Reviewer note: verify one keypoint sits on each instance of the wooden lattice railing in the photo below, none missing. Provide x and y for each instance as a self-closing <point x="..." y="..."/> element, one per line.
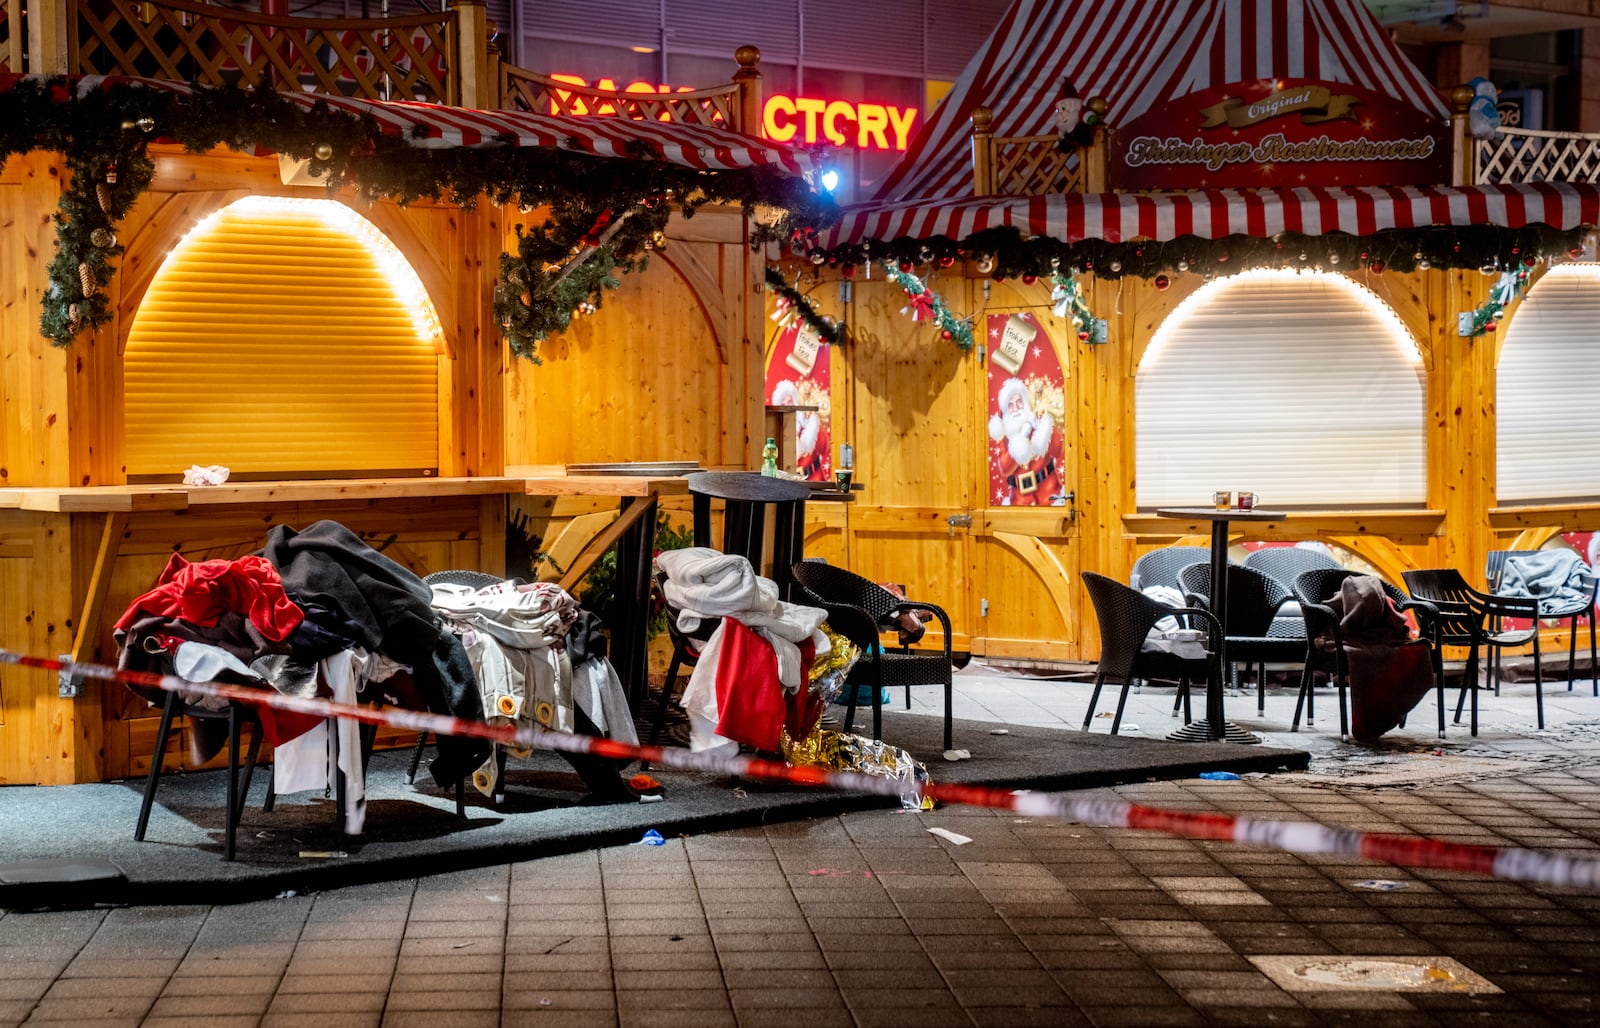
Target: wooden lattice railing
<point x="1529" y="155"/>
<point x="410" y="58"/>
<point x="1032" y="166"/>
<point x="525" y="90"/>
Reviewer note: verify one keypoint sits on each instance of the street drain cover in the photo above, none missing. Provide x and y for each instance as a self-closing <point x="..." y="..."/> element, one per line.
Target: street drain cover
<point x="1378" y="974"/>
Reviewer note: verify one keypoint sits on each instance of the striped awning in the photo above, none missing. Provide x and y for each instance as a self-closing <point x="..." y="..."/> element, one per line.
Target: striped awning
<point x="439" y="127"/>
<point x="1215" y="214"/>
<point x="1139" y="56"/>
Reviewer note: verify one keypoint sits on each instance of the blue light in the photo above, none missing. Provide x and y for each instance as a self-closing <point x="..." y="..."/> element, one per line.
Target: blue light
<point x="830" y="180"/>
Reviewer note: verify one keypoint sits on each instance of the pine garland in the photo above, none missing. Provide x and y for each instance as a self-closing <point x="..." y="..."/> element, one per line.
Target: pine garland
<point x="794" y="304"/>
<point x="926" y="305"/>
<point x="1509" y="288"/>
<point x="1004" y="253"/>
<point x="104" y="130"/>
<point x="1067" y="301"/>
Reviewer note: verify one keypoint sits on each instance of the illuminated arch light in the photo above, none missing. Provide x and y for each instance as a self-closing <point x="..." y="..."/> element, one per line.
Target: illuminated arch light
<point x="396" y="270"/>
<point x="1374" y="305"/>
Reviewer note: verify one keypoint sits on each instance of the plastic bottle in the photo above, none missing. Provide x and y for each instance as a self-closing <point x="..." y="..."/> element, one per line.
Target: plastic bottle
<point x="769" y="458"/>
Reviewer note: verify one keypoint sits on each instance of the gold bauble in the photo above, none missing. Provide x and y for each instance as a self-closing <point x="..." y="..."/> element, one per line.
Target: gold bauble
<point x="323" y="152"/>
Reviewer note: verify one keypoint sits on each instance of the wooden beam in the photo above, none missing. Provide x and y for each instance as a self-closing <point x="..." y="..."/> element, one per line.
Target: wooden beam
<point x="586" y="558"/>
<point x="99" y="584"/>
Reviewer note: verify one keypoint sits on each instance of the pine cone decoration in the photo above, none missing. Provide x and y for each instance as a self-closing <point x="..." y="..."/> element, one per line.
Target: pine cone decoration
<point x="102" y="193"/>
<point x="86" y="278"/>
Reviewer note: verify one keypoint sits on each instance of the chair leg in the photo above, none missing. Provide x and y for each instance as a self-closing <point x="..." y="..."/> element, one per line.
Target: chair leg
<point x="1594" y="665"/>
<point x="168" y="707"/>
<point x="499" y="796"/>
<point x="1572" y="650"/>
<point x="673" y="667"/>
<point x="1438" y="688"/>
<point x="416" y="757"/>
<point x="272" y="791"/>
<point x="1177" y="697"/>
<point x="1472" y="684"/>
<point x="877" y="709"/>
<point x="949" y="715"/>
<point x="1122" y="699"/>
<point x="1188" y="712"/>
<point x="231" y="805"/>
<point x="850" y="707"/>
<point x="1094" y="697"/>
<point x="1307" y="682"/>
<point x="250" y="765"/>
<point x="1341" y="684"/>
<point x="1538" y="677"/>
<point x="1261" y="689"/>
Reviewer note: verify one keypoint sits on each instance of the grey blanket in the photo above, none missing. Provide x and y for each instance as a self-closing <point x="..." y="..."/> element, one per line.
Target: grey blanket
<point x="1553" y="577"/>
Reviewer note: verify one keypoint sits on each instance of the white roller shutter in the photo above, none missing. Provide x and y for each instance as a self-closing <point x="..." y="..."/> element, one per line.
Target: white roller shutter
<point x="1548" y="414"/>
<point x="1303" y="388"/>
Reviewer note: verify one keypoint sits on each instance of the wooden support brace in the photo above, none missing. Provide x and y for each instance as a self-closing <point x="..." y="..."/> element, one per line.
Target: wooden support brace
<point x="586" y="558"/>
<point x="94" y="603"/>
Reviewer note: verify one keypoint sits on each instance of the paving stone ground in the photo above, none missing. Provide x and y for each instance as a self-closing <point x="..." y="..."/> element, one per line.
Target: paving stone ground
<point x="868" y="919"/>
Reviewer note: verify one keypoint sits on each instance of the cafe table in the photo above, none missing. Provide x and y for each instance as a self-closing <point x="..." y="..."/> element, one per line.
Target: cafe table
<point x="1216" y="727"/>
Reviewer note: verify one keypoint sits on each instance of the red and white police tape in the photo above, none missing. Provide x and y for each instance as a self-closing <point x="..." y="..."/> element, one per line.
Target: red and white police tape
<point x="1294" y="837"/>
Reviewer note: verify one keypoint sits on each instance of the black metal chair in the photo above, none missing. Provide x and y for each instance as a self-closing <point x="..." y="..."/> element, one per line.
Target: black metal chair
<point x="1313" y="588"/>
<point x="1472" y="619"/>
<point x="745" y="500"/>
<point x="1286" y="563"/>
<point x="860" y="610"/>
<point x="1161" y="567"/>
<point x="1254" y="600"/>
<point x="1494" y="572"/>
<point x="1126" y="617"/>
<point x="237" y="716"/>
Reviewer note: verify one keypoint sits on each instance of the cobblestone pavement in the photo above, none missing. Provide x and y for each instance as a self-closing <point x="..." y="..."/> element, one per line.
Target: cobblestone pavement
<point x="870" y="919"/>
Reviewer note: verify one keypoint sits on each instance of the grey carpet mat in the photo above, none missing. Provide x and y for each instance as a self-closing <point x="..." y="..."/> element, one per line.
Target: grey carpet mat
<point x="413" y="829"/>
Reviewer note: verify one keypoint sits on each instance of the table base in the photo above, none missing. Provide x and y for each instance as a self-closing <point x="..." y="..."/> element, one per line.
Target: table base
<point x="1200" y="731"/>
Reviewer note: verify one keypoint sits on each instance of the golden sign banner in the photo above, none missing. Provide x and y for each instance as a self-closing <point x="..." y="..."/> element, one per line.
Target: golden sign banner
<point x="1314" y="104"/>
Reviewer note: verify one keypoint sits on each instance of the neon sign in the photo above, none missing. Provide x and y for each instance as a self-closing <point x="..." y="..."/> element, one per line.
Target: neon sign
<point x="786" y="119"/>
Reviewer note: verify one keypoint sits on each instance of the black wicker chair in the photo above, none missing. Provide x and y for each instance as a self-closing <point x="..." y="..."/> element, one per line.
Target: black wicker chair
<point x="1254" y="600"/>
<point x="1161" y="567"/>
<point x="1286" y="563"/>
<point x="860" y="609"/>
<point x="1494" y="571"/>
<point x="1471" y="619"/>
<point x="1314" y="588"/>
<point x="745" y="500"/>
<point x="1126" y="617"/>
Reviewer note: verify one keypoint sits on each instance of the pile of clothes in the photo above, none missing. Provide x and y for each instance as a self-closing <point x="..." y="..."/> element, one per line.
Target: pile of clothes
<point x="318" y="612"/>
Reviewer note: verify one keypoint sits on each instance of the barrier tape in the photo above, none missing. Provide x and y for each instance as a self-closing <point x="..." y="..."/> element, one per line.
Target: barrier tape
<point x="1290" y="836"/>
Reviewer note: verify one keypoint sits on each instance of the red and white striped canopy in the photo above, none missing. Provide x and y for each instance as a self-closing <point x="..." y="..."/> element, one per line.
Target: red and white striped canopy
<point x="1139" y="55"/>
<point x="439" y="127"/>
<point x="1216" y="213"/>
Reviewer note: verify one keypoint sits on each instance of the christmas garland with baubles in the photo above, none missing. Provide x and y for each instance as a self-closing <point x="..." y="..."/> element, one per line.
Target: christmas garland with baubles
<point x="604" y="214"/>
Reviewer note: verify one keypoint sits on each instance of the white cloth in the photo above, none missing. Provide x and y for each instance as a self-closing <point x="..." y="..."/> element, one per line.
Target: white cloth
<point x="706" y="585"/>
<point x="307" y="761"/>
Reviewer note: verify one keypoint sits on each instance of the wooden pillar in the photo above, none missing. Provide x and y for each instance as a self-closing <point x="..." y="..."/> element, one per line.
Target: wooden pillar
<point x="1464" y="149"/>
<point x="1094" y="155"/>
<point x="49" y="26"/>
<point x="748" y="79"/>
<point x="982" y="152"/>
<point x="473" y="86"/>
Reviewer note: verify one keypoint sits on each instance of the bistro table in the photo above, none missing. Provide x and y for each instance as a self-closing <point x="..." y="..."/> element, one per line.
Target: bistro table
<point x="1216" y="727"/>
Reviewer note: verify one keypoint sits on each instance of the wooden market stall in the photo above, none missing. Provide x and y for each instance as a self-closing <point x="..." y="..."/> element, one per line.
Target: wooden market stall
<point x="335" y="296"/>
<point x="1120" y="240"/>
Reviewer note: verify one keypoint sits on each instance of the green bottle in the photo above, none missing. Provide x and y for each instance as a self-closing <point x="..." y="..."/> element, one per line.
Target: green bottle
<point x="769" y="458"/>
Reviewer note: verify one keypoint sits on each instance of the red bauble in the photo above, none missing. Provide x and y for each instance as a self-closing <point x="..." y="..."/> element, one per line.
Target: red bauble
<point x="849" y="271"/>
<point x="1575" y="252"/>
<point x="946" y="261"/>
<point x="1490" y="326"/>
<point x="1222" y="258"/>
<point x="1528" y="262"/>
<point x="999" y="278"/>
<point x="1029" y="280"/>
<point x="905" y="267"/>
<point x="1163" y="281"/>
<point x="1376" y="267"/>
<point x="1083" y="335"/>
<point x="947" y="334"/>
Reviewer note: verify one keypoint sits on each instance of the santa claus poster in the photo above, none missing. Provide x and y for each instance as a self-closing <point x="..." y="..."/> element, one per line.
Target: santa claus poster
<point x="1027" y="407"/>
<point x="797" y="375"/>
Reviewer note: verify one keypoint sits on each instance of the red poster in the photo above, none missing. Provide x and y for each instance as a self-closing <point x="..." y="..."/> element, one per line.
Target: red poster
<point x="797" y="375"/>
<point x="1279" y="132"/>
<point x="1027" y="408"/>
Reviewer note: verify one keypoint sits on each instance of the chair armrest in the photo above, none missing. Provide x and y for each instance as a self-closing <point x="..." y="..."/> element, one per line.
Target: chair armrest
<point x="1327" y="617"/>
<point x="1427" y="617"/>
<point x="848" y="620"/>
<point x="1507" y="606"/>
<point x="1213" y="626"/>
